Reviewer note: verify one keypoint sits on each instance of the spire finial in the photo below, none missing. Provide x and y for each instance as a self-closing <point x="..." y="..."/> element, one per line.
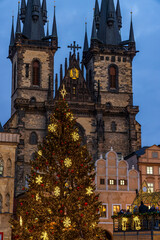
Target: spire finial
<point x="131" y="34"/>
<point x="12" y="32"/>
<point x="18" y="27"/>
<point x="54" y="29"/>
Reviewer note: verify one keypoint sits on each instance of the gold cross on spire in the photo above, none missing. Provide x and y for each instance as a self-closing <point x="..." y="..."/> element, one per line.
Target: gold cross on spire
<point x="63" y="92"/>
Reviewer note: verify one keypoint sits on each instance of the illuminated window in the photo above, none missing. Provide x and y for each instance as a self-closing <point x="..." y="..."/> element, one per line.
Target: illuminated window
<point x="102" y="181"/>
<point x="154" y="154"/>
<point x="1" y="167"/>
<point x="103" y="211"/>
<point x="74" y="90"/>
<point x="116" y="209"/>
<point x="149" y="170"/>
<point x="122" y="182"/>
<point x="128" y="207"/>
<point x="150" y="187"/>
<point x="111" y="181"/>
<point x="36" y="73"/>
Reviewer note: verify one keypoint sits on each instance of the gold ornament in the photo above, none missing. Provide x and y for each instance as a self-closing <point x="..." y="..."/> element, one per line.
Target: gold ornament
<point x="68" y="162"/>
<point x="124" y="223"/>
<point x="67" y="222"/>
<point x="50" y="211"/>
<point x="74" y="73"/>
<point x="39" y="180"/>
<point x="63" y="91"/>
<point x="57" y="191"/>
<point x="70" y="116"/>
<point x="44" y="236"/>
<point x="75" y="136"/>
<point x="21" y="221"/>
<point x="66" y="184"/>
<point x="40" y="152"/>
<point x="89" y="191"/>
<point x="137" y="223"/>
<point x="37" y="197"/>
<point x="36" y="220"/>
<point x="52" y="127"/>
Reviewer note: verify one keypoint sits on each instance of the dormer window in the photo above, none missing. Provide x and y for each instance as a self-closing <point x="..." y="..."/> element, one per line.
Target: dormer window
<point x="36" y="73"/>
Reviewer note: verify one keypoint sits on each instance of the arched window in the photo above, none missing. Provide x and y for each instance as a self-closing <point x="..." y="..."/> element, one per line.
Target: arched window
<point x="8" y="202"/>
<point x="36" y="73"/>
<point x="1" y="202"/>
<point x="113" y="127"/>
<point x="33" y="100"/>
<point x="15" y="77"/>
<point x="1" y="166"/>
<point x="33" y="138"/>
<point x="113" y="77"/>
<point x="9" y="167"/>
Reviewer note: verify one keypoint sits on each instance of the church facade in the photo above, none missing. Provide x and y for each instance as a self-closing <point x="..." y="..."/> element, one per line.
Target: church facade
<point x="101" y="100"/>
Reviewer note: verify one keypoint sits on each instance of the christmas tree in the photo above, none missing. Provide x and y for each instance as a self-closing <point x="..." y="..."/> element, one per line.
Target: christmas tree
<point x="60" y="202"/>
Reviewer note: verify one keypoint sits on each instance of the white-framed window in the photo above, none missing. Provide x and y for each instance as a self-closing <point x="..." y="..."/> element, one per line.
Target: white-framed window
<point x="150" y="187"/>
<point x="122" y="182"/>
<point x="149" y="170"/>
<point x="111" y="181"/>
<point x="102" y="181"/>
<point x="104" y="210"/>
<point x="154" y="154"/>
<point x="116" y="208"/>
<point x="128" y="207"/>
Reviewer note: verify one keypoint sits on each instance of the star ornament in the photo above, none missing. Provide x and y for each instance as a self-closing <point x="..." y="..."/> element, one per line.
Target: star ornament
<point x="89" y="191"/>
<point x="75" y="136"/>
<point x="39" y="180"/>
<point x="52" y="127"/>
<point x="67" y="222"/>
<point x="44" y="236"/>
<point x="70" y="116"/>
<point x="63" y="92"/>
<point x="57" y="191"/>
<point x="40" y="152"/>
<point x="68" y="162"/>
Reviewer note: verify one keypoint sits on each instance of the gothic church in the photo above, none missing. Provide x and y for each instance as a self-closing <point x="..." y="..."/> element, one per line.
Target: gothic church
<point x="101" y="99"/>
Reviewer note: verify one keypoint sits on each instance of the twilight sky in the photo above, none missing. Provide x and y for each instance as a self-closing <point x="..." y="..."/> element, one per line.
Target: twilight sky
<point x="71" y="16"/>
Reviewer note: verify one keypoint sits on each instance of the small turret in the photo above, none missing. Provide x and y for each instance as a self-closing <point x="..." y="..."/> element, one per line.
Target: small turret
<point x="118" y="14"/>
<point x="12" y="33"/>
<point x="35" y="10"/>
<point x="97" y="14"/>
<point x="18" y="27"/>
<point x="85" y="47"/>
<point x="23" y="10"/>
<point x="54" y="29"/>
<point x="94" y="31"/>
<point x="131" y="34"/>
<point x="47" y="33"/>
<point x="44" y="12"/>
<point x="111" y="13"/>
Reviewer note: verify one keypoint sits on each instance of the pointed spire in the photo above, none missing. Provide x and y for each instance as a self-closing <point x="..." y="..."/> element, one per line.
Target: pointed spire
<point x="94" y="31"/>
<point x="47" y="33"/>
<point x="12" y="33"/>
<point x="18" y="28"/>
<point x="1" y="128"/>
<point x="85" y="47"/>
<point x="44" y="11"/>
<point x="118" y="14"/>
<point x="61" y="74"/>
<point x="111" y="13"/>
<point x="131" y="34"/>
<point x="23" y="10"/>
<point x="54" y="29"/>
<point x="97" y="14"/>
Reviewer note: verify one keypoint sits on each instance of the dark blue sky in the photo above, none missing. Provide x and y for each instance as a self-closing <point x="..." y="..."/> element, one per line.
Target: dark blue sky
<point x="71" y="16"/>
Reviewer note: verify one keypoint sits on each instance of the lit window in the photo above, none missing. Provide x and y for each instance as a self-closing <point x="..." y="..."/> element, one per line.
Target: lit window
<point x="154" y="154"/>
<point x="122" y="182"/>
<point x="128" y="207"/>
<point x="103" y="211"/>
<point x="150" y="187"/>
<point x="149" y="170"/>
<point x="1" y="167"/>
<point x="74" y="90"/>
<point x="102" y="181"/>
<point x="111" y="182"/>
<point x="116" y="209"/>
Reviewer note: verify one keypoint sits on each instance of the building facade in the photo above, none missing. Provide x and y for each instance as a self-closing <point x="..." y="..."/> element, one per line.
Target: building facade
<point x="117" y="186"/>
<point x="8" y="146"/>
<point x="147" y="162"/>
<point x="102" y="100"/>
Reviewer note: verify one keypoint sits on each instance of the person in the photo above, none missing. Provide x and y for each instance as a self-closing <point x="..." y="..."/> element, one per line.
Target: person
<point x="135" y="210"/>
<point x="152" y="209"/>
<point x="143" y="208"/>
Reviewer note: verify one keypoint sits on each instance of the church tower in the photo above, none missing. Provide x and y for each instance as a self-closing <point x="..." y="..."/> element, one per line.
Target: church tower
<point x="31" y="52"/>
<point x="108" y="63"/>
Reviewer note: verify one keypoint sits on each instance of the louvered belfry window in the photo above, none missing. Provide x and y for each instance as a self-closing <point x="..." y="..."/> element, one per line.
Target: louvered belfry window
<point x="36" y="73"/>
<point x="112" y="73"/>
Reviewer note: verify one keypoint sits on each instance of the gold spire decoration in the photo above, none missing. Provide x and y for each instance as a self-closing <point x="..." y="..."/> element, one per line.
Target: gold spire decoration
<point x="63" y="92"/>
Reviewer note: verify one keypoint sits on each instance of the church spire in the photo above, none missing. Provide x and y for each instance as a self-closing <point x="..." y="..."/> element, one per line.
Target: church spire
<point x="12" y="33"/>
<point x="131" y="34"/>
<point x="97" y="14"/>
<point x="23" y="10"/>
<point x="47" y="33"/>
<point x="94" y="31"/>
<point x="44" y="11"/>
<point x="85" y="47"/>
<point x="54" y="29"/>
<point x="118" y="14"/>
<point x="111" y="13"/>
<point x="33" y="24"/>
<point x="18" y="27"/>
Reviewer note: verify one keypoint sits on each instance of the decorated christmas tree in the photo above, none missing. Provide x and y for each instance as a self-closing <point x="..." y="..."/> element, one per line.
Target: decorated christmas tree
<point x="60" y="202"/>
